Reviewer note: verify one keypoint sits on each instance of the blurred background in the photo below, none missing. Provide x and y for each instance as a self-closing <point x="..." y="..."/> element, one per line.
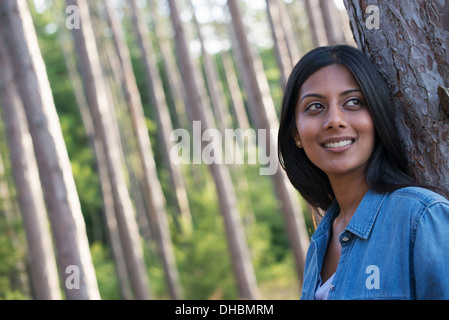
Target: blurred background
<point x="123" y="76"/>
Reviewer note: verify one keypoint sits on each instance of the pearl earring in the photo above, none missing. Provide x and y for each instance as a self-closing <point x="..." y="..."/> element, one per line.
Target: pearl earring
<point x="298" y="143"/>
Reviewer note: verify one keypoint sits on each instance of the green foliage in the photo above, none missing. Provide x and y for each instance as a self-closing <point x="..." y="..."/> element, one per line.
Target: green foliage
<point x="203" y="256"/>
<point x="105" y="272"/>
<point x="12" y="257"/>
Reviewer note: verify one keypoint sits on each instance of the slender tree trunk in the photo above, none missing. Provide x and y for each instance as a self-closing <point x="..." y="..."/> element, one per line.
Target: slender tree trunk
<point x="240" y="255"/>
<point x="315" y="23"/>
<point x="221" y="112"/>
<point x="181" y="117"/>
<point x="334" y="33"/>
<point x="153" y="190"/>
<point x="262" y="111"/>
<point x="222" y="116"/>
<point x="95" y="88"/>
<point x="157" y="96"/>
<point x="58" y="184"/>
<point x="280" y="44"/>
<point x="98" y="147"/>
<point x="235" y="92"/>
<point x="42" y="263"/>
<point x="410" y="47"/>
<point x="293" y="43"/>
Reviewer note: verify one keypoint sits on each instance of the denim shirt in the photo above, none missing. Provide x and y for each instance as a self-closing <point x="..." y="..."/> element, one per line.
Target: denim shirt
<point x="396" y="246"/>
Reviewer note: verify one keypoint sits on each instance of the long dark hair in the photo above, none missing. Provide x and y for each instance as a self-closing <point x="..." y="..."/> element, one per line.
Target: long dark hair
<point x="388" y="166"/>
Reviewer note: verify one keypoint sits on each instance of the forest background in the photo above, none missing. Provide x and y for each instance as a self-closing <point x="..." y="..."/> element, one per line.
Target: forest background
<point x="201" y="249"/>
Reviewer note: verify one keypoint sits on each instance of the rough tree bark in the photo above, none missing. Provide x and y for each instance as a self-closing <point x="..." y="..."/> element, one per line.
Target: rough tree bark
<point x="411" y="50"/>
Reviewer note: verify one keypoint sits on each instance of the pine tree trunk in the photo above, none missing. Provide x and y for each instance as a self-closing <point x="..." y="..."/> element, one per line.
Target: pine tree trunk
<point x="411" y="50"/>
<point x="280" y="42"/>
<point x="221" y="113"/>
<point x="235" y="93"/>
<point x="157" y="95"/>
<point x="240" y="255"/>
<point x="334" y="33"/>
<point x="41" y="257"/>
<point x="57" y="180"/>
<point x="153" y="190"/>
<point x="181" y="118"/>
<point x="97" y="146"/>
<point x="264" y="117"/>
<point x="96" y="94"/>
<point x="315" y="23"/>
<point x="292" y="39"/>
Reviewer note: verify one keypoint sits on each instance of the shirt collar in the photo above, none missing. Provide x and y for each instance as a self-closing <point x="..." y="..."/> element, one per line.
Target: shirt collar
<point x="363" y="219"/>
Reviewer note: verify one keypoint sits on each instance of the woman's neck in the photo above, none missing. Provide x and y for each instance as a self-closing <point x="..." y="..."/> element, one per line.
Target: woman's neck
<point x="349" y="192"/>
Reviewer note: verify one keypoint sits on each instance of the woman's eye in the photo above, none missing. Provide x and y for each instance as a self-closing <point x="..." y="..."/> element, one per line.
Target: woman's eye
<point x="314" y="107"/>
<point x="354" y="103"/>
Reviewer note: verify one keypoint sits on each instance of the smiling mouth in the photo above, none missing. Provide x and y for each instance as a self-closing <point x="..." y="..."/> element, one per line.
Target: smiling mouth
<point x="338" y="144"/>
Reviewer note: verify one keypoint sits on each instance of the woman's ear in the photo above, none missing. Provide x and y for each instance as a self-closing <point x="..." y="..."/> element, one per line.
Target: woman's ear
<point x="297" y="138"/>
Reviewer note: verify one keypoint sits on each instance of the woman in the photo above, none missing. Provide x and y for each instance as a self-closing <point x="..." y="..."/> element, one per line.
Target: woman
<point x="383" y="235"/>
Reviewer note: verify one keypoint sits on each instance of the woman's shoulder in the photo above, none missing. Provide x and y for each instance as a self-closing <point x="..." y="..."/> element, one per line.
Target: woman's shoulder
<point x="420" y="195"/>
<point x="418" y="208"/>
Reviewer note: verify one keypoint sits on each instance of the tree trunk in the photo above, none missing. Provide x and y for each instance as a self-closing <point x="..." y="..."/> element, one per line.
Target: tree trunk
<point x="95" y="88"/>
<point x="280" y="41"/>
<point x="181" y="118"/>
<point x="264" y="117"/>
<point x="329" y="13"/>
<point x="58" y="184"/>
<point x="411" y="50"/>
<point x="42" y="262"/>
<point x="315" y="23"/>
<point x="222" y="116"/>
<point x="97" y="146"/>
<point x="292" y="40"/>
<point x="157" y="95"/>
<point x="152" y="187"/>
<point x="240" y="255"/>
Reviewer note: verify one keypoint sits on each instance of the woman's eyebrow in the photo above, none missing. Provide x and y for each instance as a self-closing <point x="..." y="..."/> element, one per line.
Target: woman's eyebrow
<point x="320" y="96"/>
<point x="346" y="92"/>
<point x="315" y="95"/>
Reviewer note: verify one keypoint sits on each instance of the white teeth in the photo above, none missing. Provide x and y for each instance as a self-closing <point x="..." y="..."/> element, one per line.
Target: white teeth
<point x="338" y="144"/>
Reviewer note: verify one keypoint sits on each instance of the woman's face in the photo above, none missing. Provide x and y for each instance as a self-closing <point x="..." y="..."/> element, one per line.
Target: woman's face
<point x="334" y="125"/>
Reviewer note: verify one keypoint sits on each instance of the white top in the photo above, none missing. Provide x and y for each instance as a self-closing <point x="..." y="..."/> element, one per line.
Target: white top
<point x="323" y="289"/>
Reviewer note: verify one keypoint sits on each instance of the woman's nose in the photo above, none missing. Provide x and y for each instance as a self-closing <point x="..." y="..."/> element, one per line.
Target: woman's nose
<point x="335" y="118"/>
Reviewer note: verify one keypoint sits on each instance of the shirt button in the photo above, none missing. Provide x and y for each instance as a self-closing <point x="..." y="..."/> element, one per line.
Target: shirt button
<point x="345" y="238"/>
<point x="332" y="286"/>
